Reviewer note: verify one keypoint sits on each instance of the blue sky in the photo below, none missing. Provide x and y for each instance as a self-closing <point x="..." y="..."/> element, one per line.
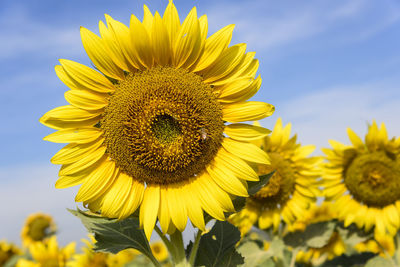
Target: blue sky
<point x="325" y="65"/>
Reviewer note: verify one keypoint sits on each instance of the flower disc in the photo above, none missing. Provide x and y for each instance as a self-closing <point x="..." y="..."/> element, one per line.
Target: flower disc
<point x="373" y="179"/>
<point x="163" y="125"/>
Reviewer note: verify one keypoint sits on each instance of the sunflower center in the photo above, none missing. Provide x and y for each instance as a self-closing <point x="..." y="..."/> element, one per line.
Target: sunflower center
<point x="280" y="186"/>
<point x="373" y="179"/>
<point x="39" y="229"/>
<point x="166" y="129"/>
<point x="162" y="125"/>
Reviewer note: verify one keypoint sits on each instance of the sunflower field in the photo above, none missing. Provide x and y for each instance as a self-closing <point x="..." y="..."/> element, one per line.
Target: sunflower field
<point x="163" y="142"/>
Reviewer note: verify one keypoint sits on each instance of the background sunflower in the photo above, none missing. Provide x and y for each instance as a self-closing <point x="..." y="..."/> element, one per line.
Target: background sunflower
<point x="290" y="190"/>
<point x="363" y="180"/>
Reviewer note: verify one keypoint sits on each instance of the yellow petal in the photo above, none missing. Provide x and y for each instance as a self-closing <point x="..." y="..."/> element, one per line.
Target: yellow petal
<point x="227" y="180"/>
<point x="65" y="78"/>
<point x="225" y="63"/>
<point x="247" y="111"/>
<point x="193" y="207"/>
<point x="69" y="181"/>
<point x="149" y="209"/>
<point x="245" y="132"/>
<point x="214" y="46"/>
<point x="68" y="114"/>
<point x="99" y="55"/>
<point x="97" y="182"/>
<point x="246" y="68"/>
<point x="246" y="151"/>
<point x="177" y="206"/>
<point x="85" y="99"/>
<point x="73" y="152"/>
<point x="141" y="42"/>
<point x="79" y="136"/>
<point x="147" y="18"/>
<point x="163" y="212"/>
<point x="239" y="90"/>
<point x="355" y="140"/>
<point x="203" y="22"/>
<point x="187" y="46"/>
<point x="208" y="188"/>
<point x="85" y="77"/>
<point x="113" y="47"/>
<point x="135" y="197"/>
<point x="160" y="41"/>
<point x="116" y="197"/>
<point x="90" y="159"/>
<point x="171" y="21"/>
<point x="239" y="167"/>
<point x="121" y="34"/>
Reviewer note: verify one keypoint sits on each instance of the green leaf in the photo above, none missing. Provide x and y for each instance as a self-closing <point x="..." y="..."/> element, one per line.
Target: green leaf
<point x="253" y="254"/>
<point x="315" y="235"/>
<point x="253" y="188"/>
<point x="12" y="262"/>
<point x="114" y="235"/>
<point x="352" y="236"/>
<point x="379" y="261"/>
<point x="217" y="247"/>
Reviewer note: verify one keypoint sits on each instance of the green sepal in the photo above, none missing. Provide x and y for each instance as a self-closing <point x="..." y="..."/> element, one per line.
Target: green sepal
<point x="217" y="247"/>
<point x="114" y="235"/>
<point x="253" y="188"/>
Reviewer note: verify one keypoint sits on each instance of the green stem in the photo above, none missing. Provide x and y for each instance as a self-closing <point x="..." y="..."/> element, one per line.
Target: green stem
<point x="293" y="259"/>
<point x="153" y="260"/>
<point x="166" y="241"/>
<point x="179" y="255"/>
<point x="195" y="247"/>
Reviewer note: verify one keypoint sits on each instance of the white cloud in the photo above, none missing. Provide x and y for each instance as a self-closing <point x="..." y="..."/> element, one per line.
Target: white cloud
<point x="27" y="189"/>
<point x="325" y="114"/>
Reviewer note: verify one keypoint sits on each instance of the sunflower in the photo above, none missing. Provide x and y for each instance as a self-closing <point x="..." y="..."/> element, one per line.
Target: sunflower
<point x="364" y="181"/>
<point x="7" y="251"/>
<point x="48" y="253"/>
<point x="148" y="129"/>
<point x="90" y="258"/>
<point x="290" y="190"/>
<point x="335" y="245"/>
<point x="37" y="227"/>
<point x="159" y="251"/>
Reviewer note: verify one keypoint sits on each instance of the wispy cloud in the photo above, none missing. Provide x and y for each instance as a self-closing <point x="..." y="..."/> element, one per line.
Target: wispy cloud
<point x="266" y="25"/>
<point x="21" y="34"/>
<point x="324" y="115"/>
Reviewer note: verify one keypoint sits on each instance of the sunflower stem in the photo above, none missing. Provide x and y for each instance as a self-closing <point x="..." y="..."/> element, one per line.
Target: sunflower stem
<point x="166" y="241"/>
<point x="196" y="244"/>
<point x="153" y="260"/>
<point x="179" y="250"/>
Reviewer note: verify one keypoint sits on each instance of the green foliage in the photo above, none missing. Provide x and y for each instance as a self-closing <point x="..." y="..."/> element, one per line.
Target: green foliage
<point x="315" y="235"/>
<point x="255" y="255"/>
<point x="379" y="261"/>
<point x="217" y="247"/>
<point x="114" y="235"/>
<point x="352" y="236"/>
